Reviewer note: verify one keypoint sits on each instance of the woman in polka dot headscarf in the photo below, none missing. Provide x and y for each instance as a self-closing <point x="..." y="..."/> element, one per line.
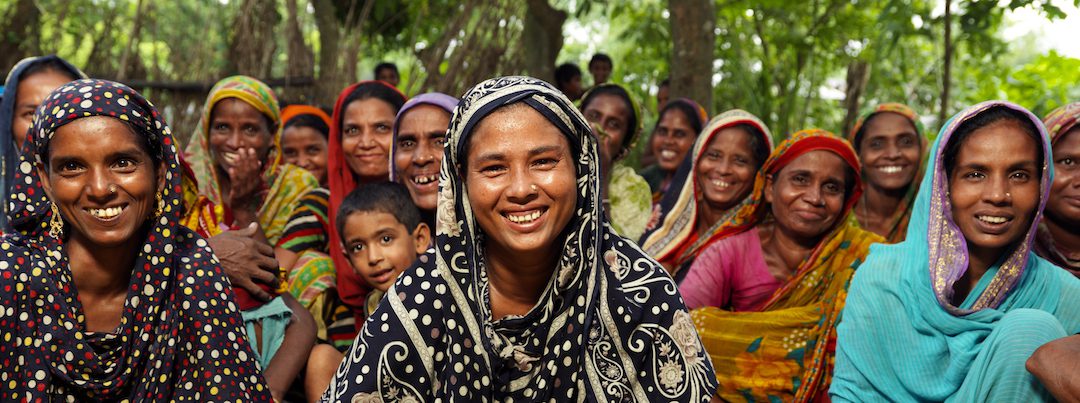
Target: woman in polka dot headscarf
<point x="529" y="295"/>
<point x="107" y="297"/>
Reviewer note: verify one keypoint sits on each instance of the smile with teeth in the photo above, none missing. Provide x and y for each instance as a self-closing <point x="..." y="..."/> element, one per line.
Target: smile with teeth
<point x="892" y="169"/>
<point x="992" y="219"/>
<point x="524" y="217"/>
<point x="666" y="154"/>
<point x="105" y="213"/>
<point x="425" y="179"/>
<point x="720" y="184"/>
<point x="230" y="157"/>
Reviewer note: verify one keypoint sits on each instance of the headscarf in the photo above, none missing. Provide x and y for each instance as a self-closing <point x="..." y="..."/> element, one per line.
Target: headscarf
<point x="634" y="122"/>
<point x="282" y="184"/>
<point x="782" y="351"/>
<point x="898" y="222"/>
<point x="350" y="287"/>
<point x="8" y="149"/>
<point x="179" y="321"/>
<point x="610" y="325"/>
<point x="675" y="240"/>
<point x="438" y="99"/>
<point x="292" y="111"/>
<point x="901" y="335"/>
<point x="1058" y="122"/>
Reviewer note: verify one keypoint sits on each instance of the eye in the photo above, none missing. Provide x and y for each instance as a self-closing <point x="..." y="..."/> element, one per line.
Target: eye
<point x="352" y="130"/>
<point x="832" y="188"/>
<point x="126" y="164"/>
<point x="252" y="130"/>
<point x="407" y="144"/>
<point x="314" y="150"/>
<point x="69" y="167"/>
<point x="386" y="239"/>
<point x="546" y="162"/>
<point x="1067" y="161"/>
<point x="382" y="128"/>
<point x="876" y="144"/>
<point x="220" y="127"/>
<point x="493" y="169"/>
<point x="440" y="141"/>
<point x="356" y="248"/>
<point x="712" y="155"/>
<point x="974" y="175"/>
<point x="290" y="153"/>
<point x="1020" y="176"/>
<point x="907" y="141"/>
<point x="799" y="179"/>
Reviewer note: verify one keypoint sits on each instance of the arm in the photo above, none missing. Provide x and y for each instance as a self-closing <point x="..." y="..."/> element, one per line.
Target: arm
<point x="1057" y="366"/>
<point x="246" y="260"/>
<point x="293" y="354"/>
<point x="705" y="283"/>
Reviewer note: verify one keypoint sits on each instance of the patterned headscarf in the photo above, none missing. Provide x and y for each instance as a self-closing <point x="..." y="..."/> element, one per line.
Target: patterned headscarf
<point x="948" y="253"/>
<point x="179" y="322"/>
<point x="674" y="239"/>
<point x="610" y="325"/>
<point x="292" y="111"/>
<point x="1061" y="120"/>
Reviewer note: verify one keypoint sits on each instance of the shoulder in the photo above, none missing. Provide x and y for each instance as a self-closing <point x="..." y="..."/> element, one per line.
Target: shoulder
<point x="298" y="177"/>
<point x="15" y="259"/>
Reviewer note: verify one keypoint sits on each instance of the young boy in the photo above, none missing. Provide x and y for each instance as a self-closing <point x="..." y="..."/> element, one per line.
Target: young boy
<point x="382" y="234"/>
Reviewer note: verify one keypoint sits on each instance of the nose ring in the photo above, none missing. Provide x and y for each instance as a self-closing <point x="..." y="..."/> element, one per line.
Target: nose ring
<point x="533" y="187"/>
<point x="112" y="188"/>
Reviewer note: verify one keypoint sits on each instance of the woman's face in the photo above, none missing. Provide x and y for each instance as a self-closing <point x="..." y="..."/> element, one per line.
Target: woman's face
<point x="235" y="125"/>
<point x="994" y="186"/>
<point x="305" y="147"/>
<point x="807" y="195"/>
<point x="673" y="138"/>
<point x="521" y="181"/>
<point x="610" y="118"/>
<point x="31" y="91"/>
<point x="103" y="181"/>
<point x="1063" y="205"/>
<point x="726" y="169"/>
<point x="419" y="152"/>
<point x="366" y="132"/>
<point x="890" y="149"/>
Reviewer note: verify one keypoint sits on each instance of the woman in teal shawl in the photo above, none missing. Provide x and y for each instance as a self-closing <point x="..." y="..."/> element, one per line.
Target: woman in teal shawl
<point x="921" y="323"/>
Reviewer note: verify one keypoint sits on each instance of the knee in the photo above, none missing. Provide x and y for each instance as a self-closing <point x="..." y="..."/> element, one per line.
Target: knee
<point x="1029" y="327"/>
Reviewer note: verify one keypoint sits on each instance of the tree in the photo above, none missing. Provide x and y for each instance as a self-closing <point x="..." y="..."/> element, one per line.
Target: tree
<point x="693" y="40"/>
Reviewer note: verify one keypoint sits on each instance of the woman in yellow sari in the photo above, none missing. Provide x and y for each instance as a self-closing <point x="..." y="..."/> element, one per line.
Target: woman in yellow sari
<point x="236" y="156"/>
<point x="769" y="297"/>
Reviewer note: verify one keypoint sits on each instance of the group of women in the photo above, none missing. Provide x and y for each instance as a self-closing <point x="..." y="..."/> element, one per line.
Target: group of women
<point x="755" y="278"/>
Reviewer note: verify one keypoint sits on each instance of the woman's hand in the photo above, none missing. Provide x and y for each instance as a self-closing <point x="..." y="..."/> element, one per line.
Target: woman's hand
<point x="246" y="260"/>
<point x="245" y="180"/>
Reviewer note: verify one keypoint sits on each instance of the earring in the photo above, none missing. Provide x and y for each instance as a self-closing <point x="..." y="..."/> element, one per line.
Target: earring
<point x="160" y="205"/>
<point x="56" y="223"/>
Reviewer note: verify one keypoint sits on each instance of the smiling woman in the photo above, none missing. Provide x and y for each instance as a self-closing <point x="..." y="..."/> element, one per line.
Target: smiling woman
<point x="954" y="311"/>
<point x="529" y="296"/>
<point x="106" y="293"/>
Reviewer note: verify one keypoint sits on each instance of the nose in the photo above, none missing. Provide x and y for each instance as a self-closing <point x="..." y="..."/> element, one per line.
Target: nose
<point x="234" y="140"/>
<point x="998" y="192"/>
<point x="100" y="185"/>
<point x="305" y="162"/>
<point x="522" y="187"/>
<point x="726" y="167"/>
<point x="813" y="196"/>
<point x="425" y="155"/>
<point x="374" y="255"/>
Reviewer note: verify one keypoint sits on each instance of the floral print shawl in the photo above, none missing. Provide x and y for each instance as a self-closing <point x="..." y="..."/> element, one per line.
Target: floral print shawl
<point x="610" y="325"/>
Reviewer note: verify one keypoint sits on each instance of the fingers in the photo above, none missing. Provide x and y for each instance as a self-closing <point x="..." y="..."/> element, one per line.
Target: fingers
<point x="266" y="276"/>
<point x="252" y="288"/>
<point x="264" y="249"/>
<point x="248" y="231"/>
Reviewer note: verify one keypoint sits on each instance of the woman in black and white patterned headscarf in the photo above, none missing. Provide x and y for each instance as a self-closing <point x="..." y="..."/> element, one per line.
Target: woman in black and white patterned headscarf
<point x="529" y="295"/>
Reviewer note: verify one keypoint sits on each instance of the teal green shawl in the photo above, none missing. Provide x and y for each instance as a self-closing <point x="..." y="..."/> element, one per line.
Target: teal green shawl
<point x="899" y="337"/>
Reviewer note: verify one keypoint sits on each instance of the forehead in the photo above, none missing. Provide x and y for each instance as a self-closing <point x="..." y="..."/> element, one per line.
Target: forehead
<point x="819" y="163"/>
<point x="365" y="224"/>
<point x="609" y="102"/>
<point x="235" y="108"/>
<point x="731" y="136"/>
<point x="514" y="128"/>
<point x="1004" y="142"/>
<point x="425" y="113"/>
<point x="75" y="136"/>
<point x="369" y="108"/>
<point x="885" y="123"/>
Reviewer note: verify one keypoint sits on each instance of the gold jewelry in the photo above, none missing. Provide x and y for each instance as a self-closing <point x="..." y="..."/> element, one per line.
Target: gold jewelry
<point x="56" y="223"/>
<point x="112" y="188"/>
<point x="534" y="188"/>
<point x="160" y="205"/>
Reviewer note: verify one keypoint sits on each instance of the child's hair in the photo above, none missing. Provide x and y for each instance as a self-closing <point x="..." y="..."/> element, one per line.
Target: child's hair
<point x="386" y="197"/>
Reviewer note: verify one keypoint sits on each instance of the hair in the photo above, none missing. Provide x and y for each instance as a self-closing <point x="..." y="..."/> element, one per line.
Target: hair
<point x="688" y="110"/>
<point x="384" y="197"/>
<point x="372" y="90"/>
<point x="565" y="73"/>
<point x="48" y="65"/>
<point x="384" y="66"/>
<point x="632" y="121"/>
<point x="757" y="147"/>
<point x="664" y="83"/>
<point x="600" y="57"/>
<point x="986" y="118"/>
<point x="308" y="120"/>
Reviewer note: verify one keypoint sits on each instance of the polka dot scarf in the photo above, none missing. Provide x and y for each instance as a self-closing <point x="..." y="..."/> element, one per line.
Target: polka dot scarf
<point x="610" y="325"/>
<point x="180" y="335"/>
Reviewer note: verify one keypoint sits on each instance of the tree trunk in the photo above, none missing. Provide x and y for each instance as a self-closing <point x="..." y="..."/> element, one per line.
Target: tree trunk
<point x="301" y="60"/>
<point x="543" y="30"/>
<point x="329" y="82"/>
<point x="253" y="41"/>
<point x="122" y="69"/>
<point x="858" y="73"/>
<point x="693" y="45"/>
<point x="946" y="70"/>
<point x="19" y="36"/>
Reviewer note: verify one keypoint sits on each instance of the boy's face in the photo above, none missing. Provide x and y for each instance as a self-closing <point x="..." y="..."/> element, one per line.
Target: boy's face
<point x="379" y="247"/>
